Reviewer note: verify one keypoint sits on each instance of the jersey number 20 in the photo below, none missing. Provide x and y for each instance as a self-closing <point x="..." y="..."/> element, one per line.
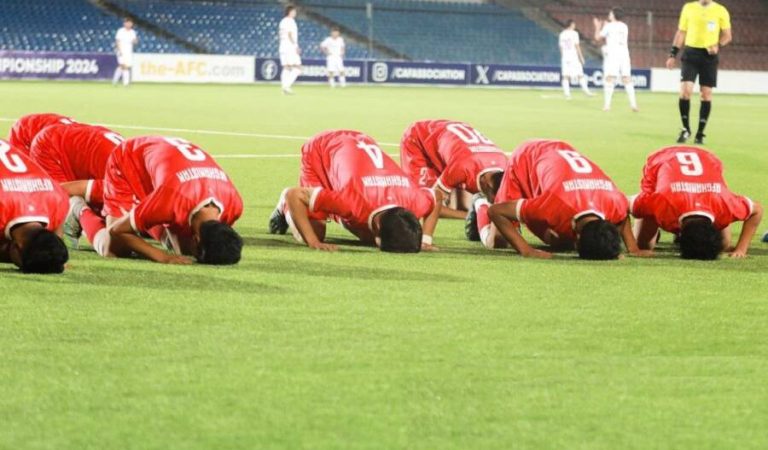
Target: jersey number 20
<point x="189" y="151"/>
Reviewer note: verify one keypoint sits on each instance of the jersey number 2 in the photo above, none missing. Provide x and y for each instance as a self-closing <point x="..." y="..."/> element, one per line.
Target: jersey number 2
<point x="12" y="162"/>
<point x="189" y="151"/>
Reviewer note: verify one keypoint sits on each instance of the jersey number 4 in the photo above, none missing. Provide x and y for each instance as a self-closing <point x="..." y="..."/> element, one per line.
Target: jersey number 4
<point x="374" y="152"/>
<point x="12" y="162"/>
<point x="189" y="151"/>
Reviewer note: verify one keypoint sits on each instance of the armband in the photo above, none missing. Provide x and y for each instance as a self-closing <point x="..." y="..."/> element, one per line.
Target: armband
<point x="674" y="51"/>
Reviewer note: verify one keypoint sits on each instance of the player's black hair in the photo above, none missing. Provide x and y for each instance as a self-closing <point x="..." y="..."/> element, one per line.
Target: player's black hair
<point x="44" y="252"/>
<point x="496" y="178"/>
<point x="569" y="22"/>
<point x="335" y="28"/>
<point x="699" y="239"/>
<point x="599" y="240"/>
<point x="618" y="13"/>
<point x="400" y="231"/>
<point x="288" y="9"/>
<point x="219" y="244"/>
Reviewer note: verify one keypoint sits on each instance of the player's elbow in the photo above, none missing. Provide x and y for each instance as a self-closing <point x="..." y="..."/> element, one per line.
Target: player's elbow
<point x="757" y="211"/>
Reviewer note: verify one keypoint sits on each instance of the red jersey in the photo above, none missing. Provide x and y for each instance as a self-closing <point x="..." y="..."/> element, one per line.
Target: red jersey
<point x="557" y="185"/>
<point x="26" y="128"/>
<point x="684" y="181"/>
<point x="165" y="181"/>
<point x="75" y="152"/>
<point x="355" y="179"/>
<point x="450" y="154"/>
<point x="27" y="193"/>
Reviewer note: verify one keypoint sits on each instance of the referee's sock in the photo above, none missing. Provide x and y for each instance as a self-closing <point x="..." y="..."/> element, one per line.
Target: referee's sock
<point x="706" y="108"/>
<point x="685" y="113"/>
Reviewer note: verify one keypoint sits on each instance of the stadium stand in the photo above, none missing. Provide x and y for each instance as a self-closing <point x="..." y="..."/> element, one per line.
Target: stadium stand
<point x="447" y="31"/>
<point x="66" y="25"/>
<point x="240" y="28"/>
<point x="650" y="38"/>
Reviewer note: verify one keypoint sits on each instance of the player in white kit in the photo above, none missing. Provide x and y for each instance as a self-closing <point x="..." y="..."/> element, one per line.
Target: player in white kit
<point x="125" y="40"/>
<point x="334" y="48"/>
<point x="290" y="57"/>
<point x="572" y="60"/>
<point x="617" y="62"/>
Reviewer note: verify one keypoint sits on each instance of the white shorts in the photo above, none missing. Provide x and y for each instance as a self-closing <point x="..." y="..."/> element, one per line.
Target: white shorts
<point x="334" y="64"/>
<point x="289" y="57"/>
<point x="618" y="66"/>
<point x="572" y="68"/>
<point x="125" y="59"/>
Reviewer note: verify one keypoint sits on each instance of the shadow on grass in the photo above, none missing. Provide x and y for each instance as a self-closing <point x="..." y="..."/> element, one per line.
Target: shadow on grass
<point x="165" y="281"/>
<point x="276" y="266"/>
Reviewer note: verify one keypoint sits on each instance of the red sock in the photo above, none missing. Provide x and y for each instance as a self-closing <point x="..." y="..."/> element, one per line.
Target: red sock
<point x="92" y="223"/>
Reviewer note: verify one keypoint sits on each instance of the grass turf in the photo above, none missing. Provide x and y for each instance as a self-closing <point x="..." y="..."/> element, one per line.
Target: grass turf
<point x="458" y="349"/>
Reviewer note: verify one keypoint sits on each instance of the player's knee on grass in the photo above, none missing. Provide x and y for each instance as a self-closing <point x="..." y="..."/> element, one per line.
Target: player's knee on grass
<point x="400" y="231"/>
<point x="44" y="252"/>
<point x="699" y="239"/>
<point x="599" y="240"/>
<point x="219" y="244"/>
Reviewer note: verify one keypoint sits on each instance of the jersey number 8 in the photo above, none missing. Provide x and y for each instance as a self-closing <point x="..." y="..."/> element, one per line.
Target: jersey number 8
<point x="578" y="163"/>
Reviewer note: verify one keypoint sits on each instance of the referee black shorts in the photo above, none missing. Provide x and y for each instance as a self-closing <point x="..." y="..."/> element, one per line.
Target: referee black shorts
<point x="697" y="62"/>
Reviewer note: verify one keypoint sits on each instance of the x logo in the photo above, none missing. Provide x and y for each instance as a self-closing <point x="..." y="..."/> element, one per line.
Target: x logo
<point x="482" y="74"/>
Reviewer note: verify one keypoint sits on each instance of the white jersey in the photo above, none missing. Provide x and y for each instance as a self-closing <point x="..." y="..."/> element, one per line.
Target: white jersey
<point x="616" y="35"/>
<point x="569" y="41"/>
<point x="333" y="46"/>
<point x="288" y="28"/>
<point x="125" y="39"/>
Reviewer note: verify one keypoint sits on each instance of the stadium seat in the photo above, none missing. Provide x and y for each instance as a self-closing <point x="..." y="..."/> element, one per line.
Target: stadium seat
<point x="67" y="25"/>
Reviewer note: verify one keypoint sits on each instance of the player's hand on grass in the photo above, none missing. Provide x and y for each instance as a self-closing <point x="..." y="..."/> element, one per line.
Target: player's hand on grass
<point x="641" y="253"/>
<point x="671" y="63"/>
<point x="538" y="254"/>
<point x="738" y="254"/>
<point x="176" y="260"/>
<point x="429" y="248"/>
<point x="324" y="247"/>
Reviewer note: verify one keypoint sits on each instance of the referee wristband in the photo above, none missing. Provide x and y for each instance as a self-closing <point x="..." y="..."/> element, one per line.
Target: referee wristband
<point x="426" y="239"/>
<point x="674" y="51"/>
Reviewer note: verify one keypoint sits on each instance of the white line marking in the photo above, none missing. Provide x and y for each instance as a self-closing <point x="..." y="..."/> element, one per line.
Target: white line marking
<point x="211" y="132"/>
<point x="270" y="156"/>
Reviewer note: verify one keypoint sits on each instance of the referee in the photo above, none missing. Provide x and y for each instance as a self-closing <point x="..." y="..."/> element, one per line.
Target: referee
<point x="705" y="27"/>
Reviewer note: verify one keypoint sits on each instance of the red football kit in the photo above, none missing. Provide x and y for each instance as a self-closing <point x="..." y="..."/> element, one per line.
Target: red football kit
<point x="449" y="154"/>
<point x="26" y="128"/>
<point x="355" y="180"/>
<point x="76" y="152"/>
<point x="683" y="181"/>
<point x="163" y="182"/>
<point x="27" y="193"/>
<point x="556" y="185"/>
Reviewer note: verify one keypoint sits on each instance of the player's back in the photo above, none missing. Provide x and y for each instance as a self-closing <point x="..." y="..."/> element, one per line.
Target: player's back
<point x="85" y="149"/>
<point x="682" y="164"/>
<point x="152" y="161"/>
<point x="445" y="141"/>
<point x="28" y="193"/>
<point x="27" y="127"/>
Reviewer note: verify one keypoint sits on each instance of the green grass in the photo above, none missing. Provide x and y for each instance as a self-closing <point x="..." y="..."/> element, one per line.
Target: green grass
<point x="458" y="349"/>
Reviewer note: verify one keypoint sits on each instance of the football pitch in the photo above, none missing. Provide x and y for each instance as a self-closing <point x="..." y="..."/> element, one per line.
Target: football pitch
<point x="461" y="348"/>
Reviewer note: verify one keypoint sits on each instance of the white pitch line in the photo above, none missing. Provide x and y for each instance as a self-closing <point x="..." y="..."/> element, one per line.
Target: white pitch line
<point x="268" y="156"/>
<point x="211" y="132"/>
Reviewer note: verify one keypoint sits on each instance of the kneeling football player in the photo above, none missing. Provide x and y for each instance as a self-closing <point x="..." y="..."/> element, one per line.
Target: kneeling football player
<point x="174" y="192"/>
<point x="76" y="157"/>
<point x="27" y="127"/>
<point x="684" y="192"/>
<point x="32" y="210"/>
<point x="565" y="200"/>
<point x="445" y="155"/>
<point x="346" y="176"/>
